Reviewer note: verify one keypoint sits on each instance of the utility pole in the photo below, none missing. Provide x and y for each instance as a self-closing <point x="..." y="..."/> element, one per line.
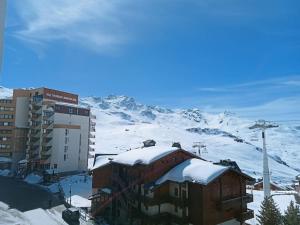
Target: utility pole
<point x="263" y="126"/>
<point x="199" y="145"/>
<point x="2" y="24"/>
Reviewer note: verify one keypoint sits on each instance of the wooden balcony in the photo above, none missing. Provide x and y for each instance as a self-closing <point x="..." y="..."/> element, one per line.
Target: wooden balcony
<point x="233" y="202"/>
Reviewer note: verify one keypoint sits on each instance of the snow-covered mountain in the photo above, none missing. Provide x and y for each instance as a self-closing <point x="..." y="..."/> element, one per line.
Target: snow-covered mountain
<point x="122" y="123"/>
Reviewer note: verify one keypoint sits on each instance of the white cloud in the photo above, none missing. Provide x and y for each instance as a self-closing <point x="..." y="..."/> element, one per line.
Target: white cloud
<point x="102" y="25"/>
<point x="96" y="24"/>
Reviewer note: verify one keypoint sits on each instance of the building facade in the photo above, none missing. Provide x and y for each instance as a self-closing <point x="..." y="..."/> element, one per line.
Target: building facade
<point x="168" y="186"/>
<point x="46" y="130"/>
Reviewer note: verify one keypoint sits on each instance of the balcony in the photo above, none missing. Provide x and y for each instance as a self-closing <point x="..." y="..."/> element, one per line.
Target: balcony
<point x="229" y="203"/>
<point x="46" y="148"/>
<point x="48" y="133"/>
<point x="36" y="124"/>
<point x="92" y="136"/>
<point x="249" y="214"/>
<point x="45" y="156"/>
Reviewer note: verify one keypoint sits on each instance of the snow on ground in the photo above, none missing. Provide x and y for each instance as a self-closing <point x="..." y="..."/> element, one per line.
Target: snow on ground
<point x="11" y="216"/>
<point x="79" y="202"/>
<point x="33" y="179"/>
<point x="4" y="173"/>
<point x="79" y="184"/>
<point x="282" y="199"/>
<point x="33" y="217"/>
<point x="45" y="217"/>
<point x="123" y="124"/>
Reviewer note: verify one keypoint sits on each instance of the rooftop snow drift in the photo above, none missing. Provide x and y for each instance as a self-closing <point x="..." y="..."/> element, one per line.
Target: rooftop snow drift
<point x="193" y="170"/>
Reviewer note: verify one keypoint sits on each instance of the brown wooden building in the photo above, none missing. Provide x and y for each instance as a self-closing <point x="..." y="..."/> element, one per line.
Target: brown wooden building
<point x="273" y="186"/>
<point x="163" y="185"/>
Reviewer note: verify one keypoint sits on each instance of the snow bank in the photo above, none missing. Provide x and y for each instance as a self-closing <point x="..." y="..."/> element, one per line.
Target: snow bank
<point x="4" y="173"/>
<point x="33" y="179"/>
<point x="143" y="155"/>
<point x="193" y="170"/>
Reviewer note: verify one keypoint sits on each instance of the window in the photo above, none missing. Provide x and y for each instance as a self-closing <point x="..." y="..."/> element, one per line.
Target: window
<point x="55" y="166"/>
<point x="176" y="191"/>
<point x="65" y="157"/>
<point x="3" y="138"/>
<point x="146" y="207"/>
<point x="184" y="194"/>
<point x="6" y="124"/>
<point x="3" y="146"/>
<point x="3" y="108"/>
<point x="146" y="191"/>
<point x="5" y="131"/>
<point x="175" y="208"/>
<point x="66" y="148"/>
<point x="66" y="140"/>
<point x="6" y="116"/>
<point x="66" y="132"/>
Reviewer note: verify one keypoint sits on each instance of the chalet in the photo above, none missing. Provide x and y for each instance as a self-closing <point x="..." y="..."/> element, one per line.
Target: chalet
<point x="274" y="186"/>
<point x="168" y="185"/>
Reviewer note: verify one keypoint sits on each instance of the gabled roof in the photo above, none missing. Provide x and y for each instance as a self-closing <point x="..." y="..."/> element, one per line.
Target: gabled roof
<point x="194" y="170"/>
<point x="102" y="160"/>
<point x="143" y="155"/>
<point x="271" y="183"/>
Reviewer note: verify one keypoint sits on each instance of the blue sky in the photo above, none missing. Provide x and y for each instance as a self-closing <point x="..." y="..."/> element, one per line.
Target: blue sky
<point x="242" y="56"/>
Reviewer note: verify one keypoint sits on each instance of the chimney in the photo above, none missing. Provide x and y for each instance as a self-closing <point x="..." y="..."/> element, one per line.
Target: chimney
<point x="149" y="143"/>
<point x="176" y="145"/>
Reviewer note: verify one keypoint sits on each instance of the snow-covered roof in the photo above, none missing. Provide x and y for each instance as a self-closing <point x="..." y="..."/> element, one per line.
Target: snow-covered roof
<point x="102" y="160"/>
<point x="79" y="201"/>
<point x="136" y="156"/>
<point x="143" y="155"/>
<point x="193" y="170"/>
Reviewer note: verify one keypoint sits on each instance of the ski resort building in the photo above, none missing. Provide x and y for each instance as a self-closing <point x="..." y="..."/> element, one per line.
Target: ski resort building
<point x="168" y="185"/>
<point x="45" y="129"/>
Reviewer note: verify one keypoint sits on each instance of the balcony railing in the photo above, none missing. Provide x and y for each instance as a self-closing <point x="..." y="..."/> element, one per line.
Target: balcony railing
<point x="45" y="149"/>
<point x="92" y="136"/>
<point x="45" y="156"/>
<point x="229" y="203"/>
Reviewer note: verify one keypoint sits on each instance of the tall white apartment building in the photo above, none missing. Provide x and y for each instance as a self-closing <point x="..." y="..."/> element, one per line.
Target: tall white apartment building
<point x="50" y="130"/>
